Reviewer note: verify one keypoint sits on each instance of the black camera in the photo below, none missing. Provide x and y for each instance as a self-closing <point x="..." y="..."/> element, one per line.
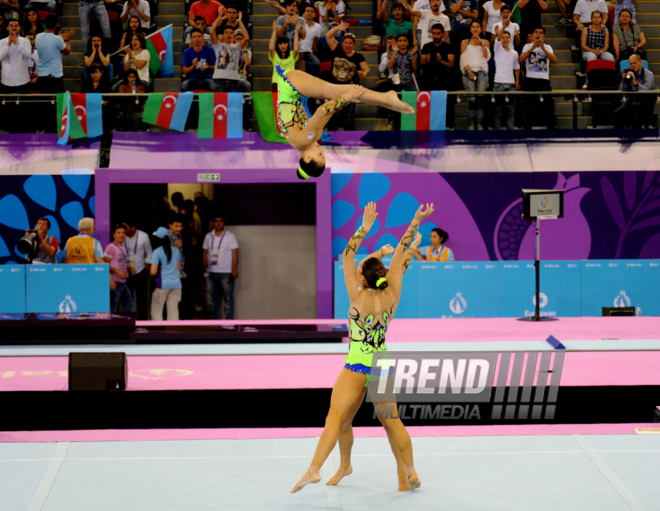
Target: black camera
<point x="628" y="76"/>
<point x="24" y="245"/>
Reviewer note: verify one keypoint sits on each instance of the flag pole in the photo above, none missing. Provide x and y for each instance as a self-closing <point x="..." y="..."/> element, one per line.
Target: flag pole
<point x="148" y="37"/>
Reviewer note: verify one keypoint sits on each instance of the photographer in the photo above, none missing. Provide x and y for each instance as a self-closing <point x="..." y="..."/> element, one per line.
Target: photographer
<point x="43" y="248"/>
<point x="632" y="112"/>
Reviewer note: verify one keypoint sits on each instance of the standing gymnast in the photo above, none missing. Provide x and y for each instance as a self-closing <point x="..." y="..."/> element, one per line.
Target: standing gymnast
<point x="303" y="132"/>
<point x="374" y="298"/>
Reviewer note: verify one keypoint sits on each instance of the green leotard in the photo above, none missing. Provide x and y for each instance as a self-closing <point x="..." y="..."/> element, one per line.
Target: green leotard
<point x="290" y="104"/>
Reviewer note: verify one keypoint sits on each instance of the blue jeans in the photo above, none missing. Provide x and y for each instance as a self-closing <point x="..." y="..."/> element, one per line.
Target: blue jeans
<point x="220" y="286"/>
<point x="475" y="103"/>
<point x="121" y="294"/>
<point x="502" y="106"/>
<point x="232" y="86"/>
<point x="85" y="9"/>
<point x="198" y="84"/>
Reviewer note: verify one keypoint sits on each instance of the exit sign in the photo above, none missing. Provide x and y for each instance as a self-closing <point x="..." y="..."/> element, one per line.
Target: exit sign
<point x="208" y="178"/>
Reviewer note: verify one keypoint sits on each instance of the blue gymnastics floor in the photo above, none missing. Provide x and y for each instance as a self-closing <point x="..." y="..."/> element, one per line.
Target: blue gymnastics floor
<point x="571" y="472"/>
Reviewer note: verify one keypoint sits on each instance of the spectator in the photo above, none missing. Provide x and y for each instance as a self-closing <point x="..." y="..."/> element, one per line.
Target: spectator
<point x="85" y="9"/>
<point x="220" y="259"/>
<point x="138" y="58"/>
<point x="32" y="24"/>
<point x="625" y="4"/>
<point x="139" y="8"/>
<point x="537" y="57"/>
<point x="464" y="11"/>
<point x="396" y="25"/>
<point x="530" y="13"/>
<point x="582" y="15"/>
<point x="177" y="202"/>
<point x="638" y="107"/>
<point x="628" y="38"/>
<point x="200" y="23"/>
<point x="132" y="114"/>
<point x="43" y="5"/>
<point x="45" y="248"/>
<point x="475" y="54"/>
<point x="133" y="28"/>
<point x="437" y="61"/>
<point x="403" y="64"/>
<point x="33" y="63"/>
<point x="166" y="267"/>
<point x="95" y="81"/>
<point x="229" y="56"/>
<point x="348" y="67"/>
<point x="512" y="28"/>
<point x="207" y="9"/>
<point x="9" y="10"/>
<point x="83" y="248"/>
<point x="427" y="19"/>
<point x="182" y="237"/>
<point x="15" y="52"/>
<point x="280" y="54"/>
<point x="565" y="20"/>
<point x="309" y="43"/>
<point x="332" y="13"/>
<point x="94" y="54"/>
<point x="424" y="5"/>
<point x="389" y="6"/>
<point x="492" y="15"/>
<point x="138" y="248"/>
<point x="390" y="48"/>
<point x="507" y="78"/>
<point x="230" y="18"/>
<point x="437" y="251"/>
<point x="51" y="47"/>
<point x="198" y="64"/>
<point x="116" y="255"/>
<point x="596" y="40"/>
<point x="291" y="23"/>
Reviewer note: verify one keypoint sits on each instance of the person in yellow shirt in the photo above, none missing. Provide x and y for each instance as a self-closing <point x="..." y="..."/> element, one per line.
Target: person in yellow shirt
<point x="437" y="251"/>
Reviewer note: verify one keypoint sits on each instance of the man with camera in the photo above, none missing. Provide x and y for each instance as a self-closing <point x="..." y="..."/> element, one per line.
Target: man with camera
<point x="40" y="247"/>
<point x="638" y="107"/>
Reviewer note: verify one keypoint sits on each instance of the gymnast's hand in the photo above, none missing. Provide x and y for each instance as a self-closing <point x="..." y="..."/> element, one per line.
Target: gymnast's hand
<point x="354" y="93"/>
<point x="386" y="250"/>
<point x="421" y="214"/>
<point x="416" y="242"/>
<point x="369" y="216"/>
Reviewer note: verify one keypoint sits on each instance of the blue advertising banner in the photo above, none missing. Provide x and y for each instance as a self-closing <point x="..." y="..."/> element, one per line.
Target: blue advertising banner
<point x="67" y="288"/>
<point x="12" y="284"/>
<point x="631" y="283"/>
<point x="561" y="293"/>
<point x="458" y="289"/>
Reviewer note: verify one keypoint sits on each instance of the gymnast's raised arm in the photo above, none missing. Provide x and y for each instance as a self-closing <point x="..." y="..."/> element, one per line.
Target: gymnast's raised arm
<point x="403" y="255"/>
<point x="350" y="271"/>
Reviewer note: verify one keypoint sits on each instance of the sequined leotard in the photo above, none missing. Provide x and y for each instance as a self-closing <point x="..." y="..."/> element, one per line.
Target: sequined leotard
<point x="291" y="105"/>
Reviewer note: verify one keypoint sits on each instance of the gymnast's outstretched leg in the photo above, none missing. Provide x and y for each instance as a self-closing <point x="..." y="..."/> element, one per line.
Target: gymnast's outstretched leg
<point x="313" y="87"/>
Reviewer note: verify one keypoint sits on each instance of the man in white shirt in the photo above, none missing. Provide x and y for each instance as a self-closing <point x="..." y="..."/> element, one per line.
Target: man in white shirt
<point x="229" y="57"/>
<point x="139" y="8"/>
<point x="507" y="77"/>
<point x="33" y="62"/>
<point x="537" y="57"/>
<point x="312" y="34"/>
<point x="15" y="53"/>
<point x="423" y="5"/>
<point x="512" y="28"/>
<point x="220" y="259"/>
<point x="426" y="18"/>
<point x="138" y="248"/>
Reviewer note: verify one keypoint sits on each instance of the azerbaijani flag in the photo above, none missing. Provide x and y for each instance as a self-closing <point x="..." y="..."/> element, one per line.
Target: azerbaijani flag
<point x="265" y="107"/>
<point x="430" y="111"/>
<point x="220" y="115"/>
<point x="168" y="110"/>
<point x="159" y="46"/>
<point x="79" y="116"/>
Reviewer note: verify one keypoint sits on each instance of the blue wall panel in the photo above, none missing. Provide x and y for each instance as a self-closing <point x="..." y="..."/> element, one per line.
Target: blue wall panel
<point x="12" y="288"/>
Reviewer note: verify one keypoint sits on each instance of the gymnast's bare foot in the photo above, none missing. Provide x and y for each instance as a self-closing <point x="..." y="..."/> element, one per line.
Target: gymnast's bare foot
<point x="311" y="476"/>
<point x="404" y="485"/>
<point x="397" y="105"/>
<point x="342" y="472"/>
<point x="414" y="481"/>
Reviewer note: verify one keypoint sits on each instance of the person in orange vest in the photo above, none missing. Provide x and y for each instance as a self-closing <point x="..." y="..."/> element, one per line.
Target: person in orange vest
<point x="83" y="248"/>
<point x="437" y="251"/>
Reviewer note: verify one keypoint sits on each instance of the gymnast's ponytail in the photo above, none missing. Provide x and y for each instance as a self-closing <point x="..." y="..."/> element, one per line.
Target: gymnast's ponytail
<point x="374" y="273"/>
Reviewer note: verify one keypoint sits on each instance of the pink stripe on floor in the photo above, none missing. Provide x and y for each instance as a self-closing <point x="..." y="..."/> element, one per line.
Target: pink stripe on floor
<point x="481" y="329"/>
<point x="142" y="435"/>
<point x="294" y="371"/>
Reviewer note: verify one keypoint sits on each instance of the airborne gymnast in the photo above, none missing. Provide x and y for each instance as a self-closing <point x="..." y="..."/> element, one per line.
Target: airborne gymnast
<point x="374" y="296"/>
<point x="303" y="132"/>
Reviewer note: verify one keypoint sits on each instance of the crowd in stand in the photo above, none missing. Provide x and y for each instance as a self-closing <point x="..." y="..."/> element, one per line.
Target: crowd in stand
<point x="191" y="256"/>
<point x="448" y="45"/>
